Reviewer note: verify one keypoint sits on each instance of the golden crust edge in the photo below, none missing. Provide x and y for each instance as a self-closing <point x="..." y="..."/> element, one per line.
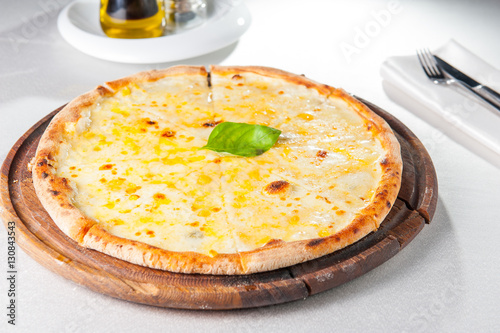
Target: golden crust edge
<point x="97" y="238"/>
<point x="272" y="72"/>
<point x="55" y="192"/>
<point x="155" y="75"/>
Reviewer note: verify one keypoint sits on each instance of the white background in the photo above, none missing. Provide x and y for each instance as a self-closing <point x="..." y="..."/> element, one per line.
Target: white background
<point x="447" y="279"/>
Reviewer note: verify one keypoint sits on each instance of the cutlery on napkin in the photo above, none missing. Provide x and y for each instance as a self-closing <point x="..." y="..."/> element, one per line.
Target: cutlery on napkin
<point x="470" y="122"/>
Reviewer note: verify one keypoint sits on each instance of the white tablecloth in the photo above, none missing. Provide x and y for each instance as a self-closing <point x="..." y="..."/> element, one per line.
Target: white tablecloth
<point x="447" y="279"/>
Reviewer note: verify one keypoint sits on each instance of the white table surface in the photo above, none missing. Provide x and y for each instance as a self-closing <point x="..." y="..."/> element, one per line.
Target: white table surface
<point x="447" y="279"/>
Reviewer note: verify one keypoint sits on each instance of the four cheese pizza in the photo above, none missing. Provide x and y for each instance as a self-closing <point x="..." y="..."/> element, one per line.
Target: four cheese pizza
<point x="121" y="170"/>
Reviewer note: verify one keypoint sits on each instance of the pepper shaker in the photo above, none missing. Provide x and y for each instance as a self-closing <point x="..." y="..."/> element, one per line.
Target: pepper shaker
<point x="184" y="14"/>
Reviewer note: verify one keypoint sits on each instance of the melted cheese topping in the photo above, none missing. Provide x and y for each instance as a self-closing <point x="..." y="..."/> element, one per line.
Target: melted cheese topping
<point x="136" y="167"/>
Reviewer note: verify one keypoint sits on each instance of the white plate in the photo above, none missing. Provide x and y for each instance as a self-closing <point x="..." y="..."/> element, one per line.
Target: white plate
<point x="79" y="25"/>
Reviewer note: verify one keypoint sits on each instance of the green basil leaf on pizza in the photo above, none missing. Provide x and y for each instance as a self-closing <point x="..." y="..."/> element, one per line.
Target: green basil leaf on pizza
<point x="242" y="139"/>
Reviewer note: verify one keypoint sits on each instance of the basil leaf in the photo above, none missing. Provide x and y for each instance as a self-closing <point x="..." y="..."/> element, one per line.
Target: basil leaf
<point x="242" y="139"/>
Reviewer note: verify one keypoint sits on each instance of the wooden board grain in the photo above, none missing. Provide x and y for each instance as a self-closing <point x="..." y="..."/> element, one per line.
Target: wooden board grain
<point x="41" y="239"/>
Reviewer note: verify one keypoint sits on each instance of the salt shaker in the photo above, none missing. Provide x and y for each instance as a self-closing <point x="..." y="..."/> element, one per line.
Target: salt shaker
<point x="184" y="14"/>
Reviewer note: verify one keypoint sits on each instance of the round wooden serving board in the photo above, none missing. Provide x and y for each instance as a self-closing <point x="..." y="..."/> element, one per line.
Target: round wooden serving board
<point x="37" y="234"/>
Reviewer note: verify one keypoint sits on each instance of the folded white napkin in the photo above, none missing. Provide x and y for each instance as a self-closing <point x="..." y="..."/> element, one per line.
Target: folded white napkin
<point x="463" y="117"/>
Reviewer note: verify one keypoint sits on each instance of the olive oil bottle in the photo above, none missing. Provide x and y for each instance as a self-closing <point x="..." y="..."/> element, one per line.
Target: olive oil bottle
<point x="132" y="18"/>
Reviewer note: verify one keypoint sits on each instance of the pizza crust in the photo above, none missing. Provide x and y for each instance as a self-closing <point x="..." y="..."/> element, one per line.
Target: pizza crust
<point x="155" y="75"/>
<point x="272" y="73"/>
<point x="57" y="193"/>
<point x="146" y="255"/>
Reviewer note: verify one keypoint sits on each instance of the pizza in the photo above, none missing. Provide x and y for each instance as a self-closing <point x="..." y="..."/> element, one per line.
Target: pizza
<point x="121" y="170"/>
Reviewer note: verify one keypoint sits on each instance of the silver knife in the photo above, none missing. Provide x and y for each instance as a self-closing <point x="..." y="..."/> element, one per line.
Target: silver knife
<point x="486" y="93"/>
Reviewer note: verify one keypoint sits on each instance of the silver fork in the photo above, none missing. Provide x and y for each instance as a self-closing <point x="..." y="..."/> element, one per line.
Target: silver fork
<point x="431" y="67"/>
<point x="438" y="76"/>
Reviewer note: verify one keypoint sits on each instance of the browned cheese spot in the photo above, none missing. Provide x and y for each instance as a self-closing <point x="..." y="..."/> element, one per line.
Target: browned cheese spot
<point x="159" y="196"/>
<point x="54" y="193"/>
<point x="321" y="153"/>
<point x="149" y="121"/>
<point x="45" y="175"/>
<point x="167" y="133"/>
<point x="106" y="167"/>
<point x="236" y="77"/>
<point x="277" y="187"/>
<point x="212" y="123"/>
